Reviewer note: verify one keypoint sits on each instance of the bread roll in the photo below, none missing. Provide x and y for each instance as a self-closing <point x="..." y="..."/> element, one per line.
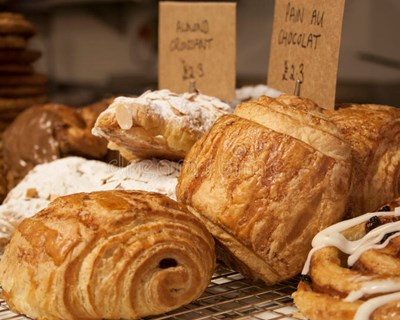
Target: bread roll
<point x="107" y="255"/>
<point x="374" y="134"/>
<point x="265" y="185"/>
<point x="159" y="124"/>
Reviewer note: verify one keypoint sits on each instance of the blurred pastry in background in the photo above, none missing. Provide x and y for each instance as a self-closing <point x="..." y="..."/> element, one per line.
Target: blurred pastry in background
<point x="20" y="86"/>
<point x="159" y="124"/>
<point x="373" y="132"/>
<point x="48" y="132"/>
<point x="247" y="93"/>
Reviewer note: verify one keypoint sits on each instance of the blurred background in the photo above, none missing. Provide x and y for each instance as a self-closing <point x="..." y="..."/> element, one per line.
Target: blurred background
<point x="98" y="48"/>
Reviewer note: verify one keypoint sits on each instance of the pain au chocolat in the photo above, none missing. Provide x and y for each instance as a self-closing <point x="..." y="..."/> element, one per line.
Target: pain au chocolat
<point x="374" y="134"/>
<point x="264" y="181"/>
<point x="107" y="255"/>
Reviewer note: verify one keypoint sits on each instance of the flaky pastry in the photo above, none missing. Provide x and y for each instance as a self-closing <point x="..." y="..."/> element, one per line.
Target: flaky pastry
<point x="353" y="270"/>
<point x="374" y="134"/>
<point x="265" y="181"/>
<point x="107" y="255"/>
<point x="159" y="124"/>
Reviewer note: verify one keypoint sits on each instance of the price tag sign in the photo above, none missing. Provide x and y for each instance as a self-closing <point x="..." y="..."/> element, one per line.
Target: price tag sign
<point x="305" y="46"/>
<point x="197" y="42"/>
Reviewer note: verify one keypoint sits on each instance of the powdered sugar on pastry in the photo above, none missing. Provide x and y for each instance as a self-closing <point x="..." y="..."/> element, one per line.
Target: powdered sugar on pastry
<point x="73" y="174"/>
<point x="158" y="124"/>
<point x="199" y="110"/>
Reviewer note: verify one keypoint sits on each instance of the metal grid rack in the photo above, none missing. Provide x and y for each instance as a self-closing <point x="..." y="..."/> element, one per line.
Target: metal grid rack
<point x="229" y="296"/>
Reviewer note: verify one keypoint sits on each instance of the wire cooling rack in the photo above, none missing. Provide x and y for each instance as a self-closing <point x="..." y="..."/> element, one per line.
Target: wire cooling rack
<point x="229" y="296"/>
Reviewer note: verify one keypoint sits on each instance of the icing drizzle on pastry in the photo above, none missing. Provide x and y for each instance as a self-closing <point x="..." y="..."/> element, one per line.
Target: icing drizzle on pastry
<point x="332" y="236"/>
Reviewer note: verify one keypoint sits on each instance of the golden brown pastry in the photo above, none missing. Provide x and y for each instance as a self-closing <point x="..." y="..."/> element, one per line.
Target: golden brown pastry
<point x="374" y="134"/>
<point x="107" y="255"/>
<point x="158" y="124"/>
<point x="47" y="132"/>
<point x="265" y="183"/>
<point x="353" y="271"/>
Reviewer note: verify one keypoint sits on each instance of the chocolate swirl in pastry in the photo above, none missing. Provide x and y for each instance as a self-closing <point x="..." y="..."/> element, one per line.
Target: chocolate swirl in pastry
<point x="265" y="183"/>
<point x="158" y="124"/>
<point x="107" y="255"/>
<point x="374" y="134"/>
<point x="353" y="270"/>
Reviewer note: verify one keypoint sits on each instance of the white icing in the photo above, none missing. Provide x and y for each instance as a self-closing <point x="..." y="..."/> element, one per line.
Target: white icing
<point x="371" y="287"/>
<point x="366" y="309"/>
<point x="332" y="236"/>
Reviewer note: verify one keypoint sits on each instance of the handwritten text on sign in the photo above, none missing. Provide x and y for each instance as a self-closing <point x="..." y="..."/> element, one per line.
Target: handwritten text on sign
<point x="305" y="46"/>
<point x="197" y="41"/>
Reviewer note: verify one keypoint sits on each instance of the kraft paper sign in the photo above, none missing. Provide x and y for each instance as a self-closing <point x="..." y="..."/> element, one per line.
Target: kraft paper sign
<point x="197" y="42"/>
<point x="305" y="46"/>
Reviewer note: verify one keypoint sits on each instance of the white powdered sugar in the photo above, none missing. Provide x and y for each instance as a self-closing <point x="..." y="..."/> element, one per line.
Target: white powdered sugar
<point x="198" y="111"/>
<point x="254" y="92"/>
<point x="70" y="175"/>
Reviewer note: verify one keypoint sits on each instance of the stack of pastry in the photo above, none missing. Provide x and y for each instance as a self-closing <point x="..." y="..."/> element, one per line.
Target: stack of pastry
<point x="125" y="254"/>
<point x="20" y="86"/>
<point x="264" y="181"/>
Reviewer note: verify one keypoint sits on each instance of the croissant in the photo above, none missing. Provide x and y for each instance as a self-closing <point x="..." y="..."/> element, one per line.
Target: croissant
<point x="353" y="271"/>
<point x="374" y="134"/>
<point x="265" y="181"/>
<point x="109" y="254"/>
<point x="158" y="124"/>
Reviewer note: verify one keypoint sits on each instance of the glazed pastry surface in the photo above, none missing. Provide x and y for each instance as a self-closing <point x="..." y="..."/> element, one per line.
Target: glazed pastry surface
<point x="264" y="182"/>
<point x="107" y="255"/>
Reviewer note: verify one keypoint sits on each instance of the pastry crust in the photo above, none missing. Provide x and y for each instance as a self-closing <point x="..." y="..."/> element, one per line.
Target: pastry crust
<point x="107" y="255"/>
<point x="264" y="193"/>
<point x="158" y="124"/>
<point x="334" y="289"/>
<point x="374" y="134"/>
